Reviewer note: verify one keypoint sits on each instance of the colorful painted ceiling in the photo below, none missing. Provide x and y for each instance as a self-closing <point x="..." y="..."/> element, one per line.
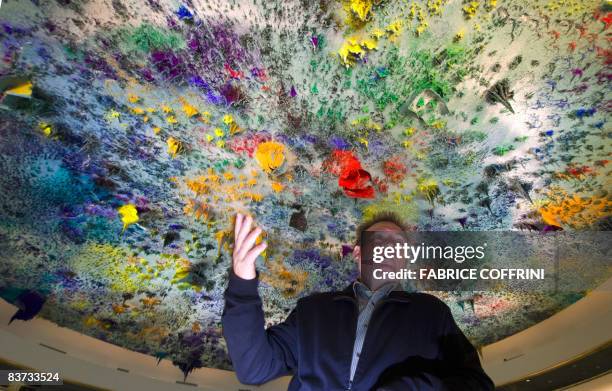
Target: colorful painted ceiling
<point x="132" y="131"/>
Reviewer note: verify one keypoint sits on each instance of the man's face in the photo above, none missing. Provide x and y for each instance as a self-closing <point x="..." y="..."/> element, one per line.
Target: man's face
<point x="382" y="234"/>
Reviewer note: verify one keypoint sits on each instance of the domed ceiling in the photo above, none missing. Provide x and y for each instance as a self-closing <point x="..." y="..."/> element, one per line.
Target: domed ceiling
<point x="131" y="132"/>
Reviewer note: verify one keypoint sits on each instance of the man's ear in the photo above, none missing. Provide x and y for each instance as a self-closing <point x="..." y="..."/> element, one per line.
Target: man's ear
<point x="357" y="256"/>
<point x="357" y="253"/>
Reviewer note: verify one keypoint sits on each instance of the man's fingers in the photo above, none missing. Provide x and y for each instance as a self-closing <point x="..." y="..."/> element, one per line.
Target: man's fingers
<point x="248" y="242"/>
<point x="237" y="226"/>
<point x="254" y="253"/>
<point x="244" y="230"/>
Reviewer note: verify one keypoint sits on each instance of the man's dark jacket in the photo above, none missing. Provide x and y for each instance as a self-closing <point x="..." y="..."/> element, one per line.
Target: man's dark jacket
<point x="412" y="343"/>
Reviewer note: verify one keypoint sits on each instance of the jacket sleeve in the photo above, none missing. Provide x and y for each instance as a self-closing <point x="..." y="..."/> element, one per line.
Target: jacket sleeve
<point x="258" y="354"/>
<point x="457" y="366"/>
<point x="461" y="367"/>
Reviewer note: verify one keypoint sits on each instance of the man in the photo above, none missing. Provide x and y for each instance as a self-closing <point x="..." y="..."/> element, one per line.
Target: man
<point x="370" y="336"/>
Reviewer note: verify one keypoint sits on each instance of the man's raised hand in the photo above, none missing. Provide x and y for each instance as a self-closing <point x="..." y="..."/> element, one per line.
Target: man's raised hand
<point x="245" y="252"/>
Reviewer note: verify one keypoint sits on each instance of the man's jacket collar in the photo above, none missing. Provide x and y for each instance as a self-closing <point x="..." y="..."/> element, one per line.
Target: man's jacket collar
<point x="348" y="293"/>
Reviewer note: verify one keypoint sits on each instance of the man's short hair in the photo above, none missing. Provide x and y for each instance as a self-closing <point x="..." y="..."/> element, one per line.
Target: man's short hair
<point x="380" y="217"/>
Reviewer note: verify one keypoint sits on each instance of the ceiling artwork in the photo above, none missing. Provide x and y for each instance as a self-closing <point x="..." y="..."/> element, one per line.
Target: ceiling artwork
<point x="131" y="133"/>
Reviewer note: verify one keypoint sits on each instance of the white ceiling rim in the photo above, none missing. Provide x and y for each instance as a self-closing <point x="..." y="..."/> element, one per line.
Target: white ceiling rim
<point x="576" y="330"/>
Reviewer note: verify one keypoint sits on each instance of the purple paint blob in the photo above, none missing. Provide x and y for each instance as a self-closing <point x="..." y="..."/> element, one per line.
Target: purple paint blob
<point x="98" y="210"/>
<point x="337" y="142"/>
<point x="346" y="250"/>
<point x="314" y="39"/>
<point x="168" y="64"/>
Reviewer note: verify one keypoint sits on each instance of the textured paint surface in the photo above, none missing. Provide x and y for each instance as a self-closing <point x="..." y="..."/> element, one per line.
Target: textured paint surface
<point x="131" y="132"/>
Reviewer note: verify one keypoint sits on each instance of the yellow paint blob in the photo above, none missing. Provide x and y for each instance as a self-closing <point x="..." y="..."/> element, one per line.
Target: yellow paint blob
<point x="470" y="9"/>
<point x="349" y="49"/>
<point x="234" y="128"/>
<point x="573" y="210"/>
<point x="394" y="29"/>
<point x="277" y="187"/>
<point x="429" y="189"/>
<point x="270" y="155"/>
<point x="45" y="128"/>
<point x="129" y="215"/>
<point x="174" y="146"/>
<point x="189" y="110"/>
<point x="24" y="90"/>
<point x="361" y="8"/>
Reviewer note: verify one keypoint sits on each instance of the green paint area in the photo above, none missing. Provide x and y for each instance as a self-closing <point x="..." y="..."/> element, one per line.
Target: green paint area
<point x="146" y="38"/>
<point x="502" y="150"/>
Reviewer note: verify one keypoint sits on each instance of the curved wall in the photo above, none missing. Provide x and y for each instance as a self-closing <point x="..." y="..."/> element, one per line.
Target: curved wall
<point x="575" y="331"/>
